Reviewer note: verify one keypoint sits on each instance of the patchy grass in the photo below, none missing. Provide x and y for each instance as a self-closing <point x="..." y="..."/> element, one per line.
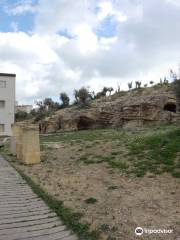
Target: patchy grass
<point x="156" y="153"/>
<point x="113" y="188"/>
<point x="154" y="149"/>
<point x="94" y="136"/>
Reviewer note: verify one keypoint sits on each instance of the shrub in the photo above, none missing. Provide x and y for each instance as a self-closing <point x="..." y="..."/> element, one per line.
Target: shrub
<point x="21" y="116"/>
<point x="91" y="200"/>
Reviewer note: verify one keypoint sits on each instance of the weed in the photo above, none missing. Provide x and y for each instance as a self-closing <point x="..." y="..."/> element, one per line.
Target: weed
<point x="112" y="187"/>
<point x="91" y="200"/>
<point x="114" y="153"/>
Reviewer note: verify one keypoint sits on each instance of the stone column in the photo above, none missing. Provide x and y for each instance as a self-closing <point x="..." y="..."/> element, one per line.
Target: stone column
<point x="13" y="140"/>
<point x="18" y="137"/>
<point x="31" y="144"/>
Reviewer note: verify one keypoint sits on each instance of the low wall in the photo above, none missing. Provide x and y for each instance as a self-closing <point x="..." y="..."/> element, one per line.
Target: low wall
<point x="25" y="143"/>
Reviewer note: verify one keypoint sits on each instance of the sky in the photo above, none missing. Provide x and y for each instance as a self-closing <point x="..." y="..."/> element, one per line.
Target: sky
<point x="61" y="45"/>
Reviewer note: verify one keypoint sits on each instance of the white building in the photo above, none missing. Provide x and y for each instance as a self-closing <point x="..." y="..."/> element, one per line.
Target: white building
<point x="7" y="102"/>
<point x="24" y="108"/>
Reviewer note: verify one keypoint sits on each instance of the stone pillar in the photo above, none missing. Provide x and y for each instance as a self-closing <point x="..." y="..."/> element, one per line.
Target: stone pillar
<point x="13" y="140"/>
<point x="18" y="137"/>
<point x="30" y="144"/>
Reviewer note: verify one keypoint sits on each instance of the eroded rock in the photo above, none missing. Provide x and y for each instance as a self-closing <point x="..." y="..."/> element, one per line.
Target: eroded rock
<point x="131" y="109"/>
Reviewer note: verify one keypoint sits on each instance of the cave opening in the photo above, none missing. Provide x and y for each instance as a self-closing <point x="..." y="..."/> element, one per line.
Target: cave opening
<point x="85" y="123"/>
<point x="171" y="107"/>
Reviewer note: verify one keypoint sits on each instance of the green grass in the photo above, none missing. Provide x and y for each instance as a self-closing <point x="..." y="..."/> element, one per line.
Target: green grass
<point x="110" y="160"/>
<point x="156" y="153"/>
<point x="154" y="149"/>
<point x="95" y="136"/>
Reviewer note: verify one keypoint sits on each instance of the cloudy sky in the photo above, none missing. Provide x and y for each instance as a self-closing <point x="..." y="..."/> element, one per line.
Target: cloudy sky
<point x="60" y="45"/>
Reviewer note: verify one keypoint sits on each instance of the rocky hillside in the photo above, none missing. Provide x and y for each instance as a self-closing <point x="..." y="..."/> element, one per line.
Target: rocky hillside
<point x="124" y="109"/>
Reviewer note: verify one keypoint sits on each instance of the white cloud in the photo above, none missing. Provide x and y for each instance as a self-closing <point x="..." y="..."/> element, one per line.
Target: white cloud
<point x="106" y="43"/>
<point x="87" y="41"/>
<point x="175" y="2"/>
<point x="61" y="15"/>
<point x="21" y="7"/>
<point x="145" y="47"/>
<point x="107" y="9"/>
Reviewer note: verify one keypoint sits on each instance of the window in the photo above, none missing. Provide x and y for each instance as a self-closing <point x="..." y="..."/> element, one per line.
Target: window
<point x="2" y="84"/>
<point x="2" y="127"/>
<point x="2" y="104"/>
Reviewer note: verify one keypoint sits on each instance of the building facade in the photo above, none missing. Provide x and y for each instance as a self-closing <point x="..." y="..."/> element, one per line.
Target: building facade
<point x="24" y="108"/>
<point x="7" y="102"/>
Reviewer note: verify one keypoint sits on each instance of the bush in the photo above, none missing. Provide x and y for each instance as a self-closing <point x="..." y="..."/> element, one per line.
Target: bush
<point x="21" y="116"/>
<point x="91" y="200"/>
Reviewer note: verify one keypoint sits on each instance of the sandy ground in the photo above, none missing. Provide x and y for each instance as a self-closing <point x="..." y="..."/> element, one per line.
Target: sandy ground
<point x="123" y="203"/>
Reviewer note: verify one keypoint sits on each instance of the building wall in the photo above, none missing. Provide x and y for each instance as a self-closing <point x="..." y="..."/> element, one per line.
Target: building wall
<point x="7" y="103"/>
<point x="24" y="108"/>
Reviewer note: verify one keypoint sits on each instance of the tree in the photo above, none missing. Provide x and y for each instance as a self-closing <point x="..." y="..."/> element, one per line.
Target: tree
<point x="151" y="82"/>
<point x="33" y="112"/>
<point x="56" y="106"/>
<point x="41" y="106"/>
<point x="104" y="91"/>
<point x="93" y="95"/>
<point x="65" y="99"/>
<point x="82" y="96"/>
<point x="76" y="95"/>
<point x="173" y="75"/>
<point x="138" y="84"/>
<point x="165" y="80"/>
<point x="130" y="85"/>
<point x="21" y="116"/>
<point x="110" y="89"/>
<point x="48" y="103"/>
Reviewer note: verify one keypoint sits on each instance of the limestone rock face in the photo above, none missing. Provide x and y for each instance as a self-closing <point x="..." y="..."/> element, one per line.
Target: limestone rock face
<point x="124" y="109"/>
